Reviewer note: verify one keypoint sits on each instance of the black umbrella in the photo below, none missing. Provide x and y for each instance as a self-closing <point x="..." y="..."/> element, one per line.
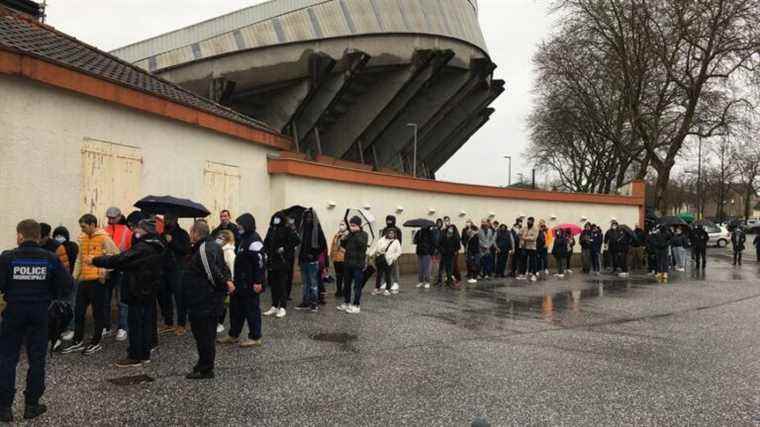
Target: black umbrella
<point x="419" y="223"/>
<point x="669" y="221"/>
<point x="182" y="208"/>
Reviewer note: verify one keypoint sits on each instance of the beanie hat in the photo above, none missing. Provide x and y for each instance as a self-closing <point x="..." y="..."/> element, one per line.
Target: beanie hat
<point x="355" y="220"/>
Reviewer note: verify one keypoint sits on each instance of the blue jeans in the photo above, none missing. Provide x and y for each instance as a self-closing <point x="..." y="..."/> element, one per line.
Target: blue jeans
<point x="353" y="281"/>
<point x="543" y="259"/>
<point x="310" y="279"/>
<point x="423" y="268"/>
<point x="140" y="331"/>
<point x="117" y="283"/>
<point x="23" y="324"/>
<point x="486" y="264"/>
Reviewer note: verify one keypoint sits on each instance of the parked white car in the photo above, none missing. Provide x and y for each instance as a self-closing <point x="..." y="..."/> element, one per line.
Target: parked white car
<point x="719" y="235"/>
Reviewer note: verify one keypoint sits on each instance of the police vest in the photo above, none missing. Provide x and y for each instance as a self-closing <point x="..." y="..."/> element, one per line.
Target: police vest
<point x="31" y="272"/>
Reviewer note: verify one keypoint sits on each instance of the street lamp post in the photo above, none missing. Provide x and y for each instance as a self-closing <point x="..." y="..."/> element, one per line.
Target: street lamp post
<point x="509" y="171"/>
<point x="414" y="155"/>
<point x="700" y="211"/>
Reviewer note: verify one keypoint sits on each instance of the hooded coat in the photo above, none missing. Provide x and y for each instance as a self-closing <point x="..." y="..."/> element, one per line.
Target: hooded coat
<point x="313" y="242"/>
<point x="424" y="240"/>
<point x="390" y="222"/>
<point x="280" y="241"/>
<point x="250" y="258"/>
<point x="142" y="265"/>
<point x="450" y="241"/>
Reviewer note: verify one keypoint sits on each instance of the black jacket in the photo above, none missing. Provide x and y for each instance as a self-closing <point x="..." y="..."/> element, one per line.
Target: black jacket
<point x="142" y="265"/>
<point x="424" y="241"/>
<point x="175" y="258"/>
<point x="659" y="240"/>
<point x="617" y="240"/>
<point x="310" y="249"/>
<point x="201" y="296"/>
<point x="30" y="274"/>
<point x="281" y="240"/>
<point x="504" y="240"/>
<point x="390" y="222"/>
<point x="450" y="242"/>
<point x="231" y="226"/>
<point x="355" y="243"/>
<point x="679" y="241"/>
<point x="738" y="238"/>
<point x="250" y="267"/>
<point x="699" y="238"/>
<point x="587" y="239"/>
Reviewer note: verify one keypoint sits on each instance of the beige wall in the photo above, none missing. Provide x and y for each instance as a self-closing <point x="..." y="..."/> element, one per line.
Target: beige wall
<point x="42" y="130"/>
<point x="317" y="193"/>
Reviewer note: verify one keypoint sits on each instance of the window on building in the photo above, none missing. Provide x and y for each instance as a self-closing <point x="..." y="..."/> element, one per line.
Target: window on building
<point x="221" y="189"/>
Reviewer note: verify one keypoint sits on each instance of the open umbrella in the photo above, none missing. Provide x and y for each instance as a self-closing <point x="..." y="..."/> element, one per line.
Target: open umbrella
<point x="295" y="213"/>
<point x="627" y="231"/>
<point x="687" y="216"/>
<point x="182" y="208"/>
<point x="670" y="221"/>
<point x="575" y="229"/>
<point x="419" y="223"/>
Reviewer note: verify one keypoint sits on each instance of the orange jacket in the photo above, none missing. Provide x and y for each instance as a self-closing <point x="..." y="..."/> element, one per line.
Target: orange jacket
<point x="98" y="244"/>
<point x="121" y="236"/>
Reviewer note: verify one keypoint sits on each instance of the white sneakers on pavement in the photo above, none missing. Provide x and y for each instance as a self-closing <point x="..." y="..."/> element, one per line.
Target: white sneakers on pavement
<point x="281" y="313"/>
<point x="342" y="307"/>
<point x="427" y="285"/>
<point x="395" y="287"/>
<point x="67" y="336"/>
<point x="219" y="328"/>
<point x="121" y="335"/>
<point x="386" y="293"/>
<point x="421" y="284"/>
<point x="471" y="281"/>
<point x="533" y="278"/>
<point x="272" y="311"/>
<point x="353" y="309"/>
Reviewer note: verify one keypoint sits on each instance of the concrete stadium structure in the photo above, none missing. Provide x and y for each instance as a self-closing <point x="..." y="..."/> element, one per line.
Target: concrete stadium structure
<point x="344" y="78"/>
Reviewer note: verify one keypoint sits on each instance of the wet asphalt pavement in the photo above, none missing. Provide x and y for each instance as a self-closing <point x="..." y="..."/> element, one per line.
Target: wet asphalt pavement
<point x="578" y="351"/>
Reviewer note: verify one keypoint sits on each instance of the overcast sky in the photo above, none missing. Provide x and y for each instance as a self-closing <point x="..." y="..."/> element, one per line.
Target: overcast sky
<point x="512" y="29"/>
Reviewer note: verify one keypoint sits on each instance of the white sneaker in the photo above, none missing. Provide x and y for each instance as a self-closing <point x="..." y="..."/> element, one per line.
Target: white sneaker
<point x="471" y="281"/>
<point x="343" y="307"/>
<point x="219" y="328"/>
<point x="427" y="285"/>
<point x="421" y="284"/>
<point x="569" y="271"/>
<point x="271" y="311"/>
<point x="533" y="278"/>
<point x="521" y="277"/>
<point x="546" y="271"/>
<point x="395" y="287"/>
<point x="623" y="275"/>
<point x="394" y="291"/>
<point x="281" y="313"/>
<point x="67" y="336"/>
<point x="121" y="335"/>
<point x="353" y="309"/>
<point x="386" y="293"/>
<point x="106" y="333"/>
<point x="377" y="291"/>
<point x="560" y="276"/>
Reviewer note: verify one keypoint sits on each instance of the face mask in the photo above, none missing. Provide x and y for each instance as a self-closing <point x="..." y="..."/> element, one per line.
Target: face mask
<point x="220" y="242"/>
<point x="614" y="227"/>
<point x="60" y="239"/>
<point x="342" y="227"/>
<point x="277" y="220"/>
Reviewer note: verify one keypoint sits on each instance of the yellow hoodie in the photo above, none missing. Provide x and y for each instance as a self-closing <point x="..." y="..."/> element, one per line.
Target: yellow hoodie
<point x="98" y="244"/>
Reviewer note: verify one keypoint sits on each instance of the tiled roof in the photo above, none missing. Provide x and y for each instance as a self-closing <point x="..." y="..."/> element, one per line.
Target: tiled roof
<point x="19" y="33"/>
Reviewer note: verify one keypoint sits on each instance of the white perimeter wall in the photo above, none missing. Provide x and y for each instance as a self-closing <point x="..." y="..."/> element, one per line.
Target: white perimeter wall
<point x="41" y="134"/>
<point x="292" y="190"/>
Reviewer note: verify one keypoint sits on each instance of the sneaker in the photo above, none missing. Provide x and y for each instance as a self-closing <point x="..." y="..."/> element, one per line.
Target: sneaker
<point x="377" y="291"/>
<point x="427" y="285"/>
<point x="106" y="333"/>
<point x="67" y="336"/>
<point x="219" y="328"/>
<point x="560" y="276"/>
<point x="353" y="309"/>
<point x="127" y="363"/>
<point x="546" y="271"/>
<point x="569" y="271"/>
<point x="57" y="346"/>
<point x="73" y="348"/>
<point x="521" y="277"/>
<point x="92" y="349"/>
<point x="471" y="281"/>
<point x="386" y="293"/>
<point x="394" y="291"/>
<point x="281" y="313"/>
<point x="623" y="275"/>
<point x="343" y="307"/>
<point x="153" y="349"/>
<point x="272" y="311"/>
<point x="166" y="329"/>
<point x="533" y="278"/>
<point x="421" y="284"/>
<point x="34" y="411"/>
<point x="228" y="340"/>
<point x="248" y="343"/>
<point x="314" y="308"/>
<point x="121" y="335"/>
<point x="180" y="331"/>
<point x="146" y="362"/>
<point x="303" y="306"/>
<point x="395" y="287"/>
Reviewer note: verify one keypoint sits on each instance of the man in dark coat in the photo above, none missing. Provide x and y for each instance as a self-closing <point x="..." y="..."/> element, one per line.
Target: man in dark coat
<point x="249" y="283"/>
<point x="618" y="242"/>
<point x="699" y="239"/>
<point x="30" y="278"/>
<point x="225" y="223"/>
<point x="449" y="245"/>
<point x="170" y="295"/>
<point x="313" y="244"/>
<point x="142" y="267"/>
<point x="207" y="282"/>
<point x="280" y="241"/>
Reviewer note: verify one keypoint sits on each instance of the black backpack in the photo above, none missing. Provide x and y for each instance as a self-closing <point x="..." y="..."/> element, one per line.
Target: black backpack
<point x="60" y="314"/>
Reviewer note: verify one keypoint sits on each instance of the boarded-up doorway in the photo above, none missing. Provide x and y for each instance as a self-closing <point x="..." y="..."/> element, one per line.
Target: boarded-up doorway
<point x="221" y="190"/>
<point x="110" y="177"/>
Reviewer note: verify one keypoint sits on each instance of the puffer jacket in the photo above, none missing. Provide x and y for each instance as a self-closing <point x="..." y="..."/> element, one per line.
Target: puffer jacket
<point x="99" y="244"/>
<point x="142" y="265"/>
<point x="337" y="253"/>
<point x="390" y="249"/>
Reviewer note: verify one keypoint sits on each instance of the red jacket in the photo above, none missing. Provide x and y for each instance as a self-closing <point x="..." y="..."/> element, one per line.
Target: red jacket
<point x="121" y="236"/>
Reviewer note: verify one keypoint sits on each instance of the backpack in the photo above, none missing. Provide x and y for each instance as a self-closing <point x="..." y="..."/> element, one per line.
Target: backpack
<point x="60" y="314"/>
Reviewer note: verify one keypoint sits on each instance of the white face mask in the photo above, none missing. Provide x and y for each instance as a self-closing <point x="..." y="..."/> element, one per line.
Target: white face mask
<point x="60" y="239"/>
<point x="220" y="242"/>
<point x="342" y="227"/>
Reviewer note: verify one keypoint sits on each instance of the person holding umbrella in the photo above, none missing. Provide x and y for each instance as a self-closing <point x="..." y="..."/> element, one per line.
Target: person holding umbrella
<point x="738" y="239"/>
<point x="699" y="239"/>
<point x="280" y="241"/>
<point x="425" y="248"/>
<point x="659" y="241"/>
<point x="313" y="244"/>
<point x="618" y="241"/>
<point x="679" y="243"/>
<point x="178" y="248"/>
<point x="586" y="245"/>
<point x="355" y="244"/>
<point x="560" y="249"/>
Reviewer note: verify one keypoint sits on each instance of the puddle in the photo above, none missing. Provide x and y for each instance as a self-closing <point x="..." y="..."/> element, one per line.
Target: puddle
<point x="132" y="380"/>
<point x="340" y="338"/>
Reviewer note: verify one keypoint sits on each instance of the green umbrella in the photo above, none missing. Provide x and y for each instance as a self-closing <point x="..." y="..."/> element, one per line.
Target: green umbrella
<point x="687" y="216"/>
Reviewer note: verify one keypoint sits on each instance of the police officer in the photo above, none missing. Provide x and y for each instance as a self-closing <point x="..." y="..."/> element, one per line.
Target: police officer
<point x="30" y="277"/>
